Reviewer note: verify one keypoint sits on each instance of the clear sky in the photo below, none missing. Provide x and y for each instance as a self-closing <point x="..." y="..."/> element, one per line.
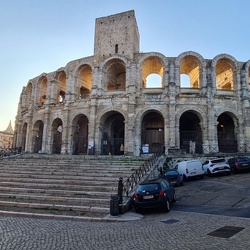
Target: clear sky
<point x="39" y="36"/>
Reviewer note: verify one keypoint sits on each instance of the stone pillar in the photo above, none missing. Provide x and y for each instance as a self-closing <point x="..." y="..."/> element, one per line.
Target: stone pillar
<point x="66" y="138"/>
<point x="93" y="136"/>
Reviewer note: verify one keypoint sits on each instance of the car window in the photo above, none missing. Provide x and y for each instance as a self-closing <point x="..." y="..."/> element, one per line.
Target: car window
<point x="165" y="184"/>
<point x="149" y="187"/>
<point x="218" y="161"/>
<point x="205" y="163"/>
<point x="170" y="173"/>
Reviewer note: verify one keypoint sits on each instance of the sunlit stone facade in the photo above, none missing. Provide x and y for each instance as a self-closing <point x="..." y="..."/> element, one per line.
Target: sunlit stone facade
<point x="122" y="101"/>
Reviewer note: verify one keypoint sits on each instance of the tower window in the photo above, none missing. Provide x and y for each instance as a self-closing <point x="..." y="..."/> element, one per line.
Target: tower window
<point x="116" y="48"/>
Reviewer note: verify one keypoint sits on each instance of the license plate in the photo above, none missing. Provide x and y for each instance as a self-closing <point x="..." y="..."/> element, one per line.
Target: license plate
<point x="146" y="197"/>
<point x="193" y="173"/>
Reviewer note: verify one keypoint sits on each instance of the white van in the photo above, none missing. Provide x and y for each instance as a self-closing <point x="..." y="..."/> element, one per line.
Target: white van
<point x="190" y="169"/>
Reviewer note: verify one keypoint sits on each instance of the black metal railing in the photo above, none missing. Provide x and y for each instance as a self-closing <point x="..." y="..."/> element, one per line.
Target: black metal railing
<point x="136" y="177"/>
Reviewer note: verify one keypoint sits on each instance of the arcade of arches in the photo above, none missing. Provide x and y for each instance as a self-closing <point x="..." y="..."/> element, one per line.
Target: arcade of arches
<point x="123" y="101"/>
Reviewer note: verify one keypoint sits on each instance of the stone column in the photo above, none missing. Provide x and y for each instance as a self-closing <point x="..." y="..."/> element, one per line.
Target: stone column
<point x="93" y="136"/>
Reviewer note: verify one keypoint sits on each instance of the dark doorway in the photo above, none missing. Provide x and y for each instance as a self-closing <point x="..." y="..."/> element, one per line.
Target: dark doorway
<point x="226" y="134"/>
<point x="57" y="130"/>
<point x="38" y="136"/>
<point x="80" y="132"/>
<point x="152" y="135"/>
<point x="190" y="133"/>
<point x="113" y="134"/>
<point x="24" y="134"/>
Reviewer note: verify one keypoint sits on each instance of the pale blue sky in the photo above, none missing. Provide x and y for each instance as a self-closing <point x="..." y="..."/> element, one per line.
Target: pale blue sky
<point x="41" y="36"/>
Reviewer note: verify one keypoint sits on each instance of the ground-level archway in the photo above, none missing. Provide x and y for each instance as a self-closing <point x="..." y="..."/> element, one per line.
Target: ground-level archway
<point x="227" y="141"/>
<point x="80" y="134"/>
<point x="152" y="133"/>
<point x="24" y="135"/>
<point x="57" y="129"/>
<point x="37" y="136"/>
<point x="112" y="132"/>
<point x="190" y="132"/>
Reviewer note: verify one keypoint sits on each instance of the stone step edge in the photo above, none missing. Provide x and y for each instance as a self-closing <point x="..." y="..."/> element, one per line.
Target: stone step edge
<point x="48" y="186"/>
<point x="104" y="210"/>
<point x="72" y="193"/>
<point x="53" y="198"/>
<point x="50" y="216"/>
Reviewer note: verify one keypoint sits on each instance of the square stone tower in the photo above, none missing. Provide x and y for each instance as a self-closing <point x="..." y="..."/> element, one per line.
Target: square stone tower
<point x="116" y="34"/>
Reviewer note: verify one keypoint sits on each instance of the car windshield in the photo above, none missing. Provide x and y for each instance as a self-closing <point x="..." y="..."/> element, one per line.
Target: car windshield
<point x="170" y="173"/>
<point x="218" y="160"/>
<point x="149" y="187"/>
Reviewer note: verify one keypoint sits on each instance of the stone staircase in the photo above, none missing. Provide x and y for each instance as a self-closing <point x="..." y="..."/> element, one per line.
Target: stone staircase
<point x="65" y="187"/>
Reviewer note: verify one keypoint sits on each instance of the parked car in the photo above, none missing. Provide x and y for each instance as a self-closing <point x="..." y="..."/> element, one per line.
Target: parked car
<point x="173" y="177"/>
<point x="216" y="166"/>
<point x="238" y="164"/>
<point x="190" y="169"/>
<point x="155" y="193"/>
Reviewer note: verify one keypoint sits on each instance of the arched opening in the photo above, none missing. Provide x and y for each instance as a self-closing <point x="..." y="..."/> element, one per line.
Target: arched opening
<point x="112" y="131"/>
<point x="224" y="75"/>
<point x="85" y="81"/>
<point x="190" y="132"/>
<point x="61" y="87"/>
<point x="28" y="95"/>
<point x="57" y="130"/>
<point x="80" y="135"/>
<point x="37" y="136"/>
<point x="152" y="73"/>
<point x="42" y="91"/>
<point x="24" y="135"/>
<point x="190" y="68"/>
<point x="152" y="133"/>
<point x="153" y="81"/>
<point x="227" y="142"/>
<point x="116" y="75"/>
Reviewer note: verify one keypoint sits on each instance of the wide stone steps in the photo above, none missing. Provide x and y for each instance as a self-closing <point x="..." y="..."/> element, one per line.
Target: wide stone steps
<point x="62" y="185"/>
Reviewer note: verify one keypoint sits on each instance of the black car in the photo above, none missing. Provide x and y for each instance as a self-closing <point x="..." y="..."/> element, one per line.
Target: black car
<point x="155" y="193"/>
<point x="238" y="164"/>
<point x="173" y="177"/>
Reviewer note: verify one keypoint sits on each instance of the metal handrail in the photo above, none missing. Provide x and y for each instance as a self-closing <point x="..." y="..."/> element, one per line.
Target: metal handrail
<point x="136" y="177"/>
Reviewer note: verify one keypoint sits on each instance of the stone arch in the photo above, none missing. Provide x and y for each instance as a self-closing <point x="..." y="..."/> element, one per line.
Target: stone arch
<point x="226" y="132"/>
<point x="42" y="86"/>
<point x="37" y="136"/>
<point x="152" y="132"/>
<point x="190" y="130"/>
<point x="152" y="65"/>
<point x="84" y="81"/>
<point x="28" y="94"/>
<point x="112" y="133"/>
<point x="80" y="128"/>
<point x="225" y="69"/>
<point x="247" y="69"/>
<point x="61" y="86"/>
<point x="56" y="132"/>
<point x="115" y="75"/>
<point x="191" y="65"/>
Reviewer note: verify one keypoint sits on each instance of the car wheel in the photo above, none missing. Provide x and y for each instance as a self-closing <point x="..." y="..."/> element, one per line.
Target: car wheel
<point x="185" y="178"/>
<point x="167" y="206"/>
<point x="174" y="198"/>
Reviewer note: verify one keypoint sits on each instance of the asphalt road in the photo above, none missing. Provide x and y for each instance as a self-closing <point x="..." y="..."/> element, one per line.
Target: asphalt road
<point x="218" y="195"/>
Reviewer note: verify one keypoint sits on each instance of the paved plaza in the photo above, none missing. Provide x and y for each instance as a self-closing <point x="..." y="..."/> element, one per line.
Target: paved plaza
<point x="173" y="230"/>
<point x="196" y="221"/>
